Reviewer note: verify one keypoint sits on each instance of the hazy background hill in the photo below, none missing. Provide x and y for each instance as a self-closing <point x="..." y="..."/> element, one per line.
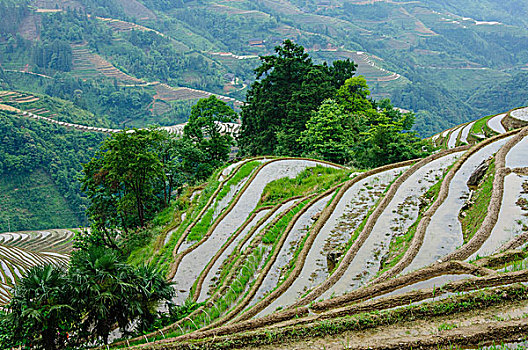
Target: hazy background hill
<point x="126" y="63"/>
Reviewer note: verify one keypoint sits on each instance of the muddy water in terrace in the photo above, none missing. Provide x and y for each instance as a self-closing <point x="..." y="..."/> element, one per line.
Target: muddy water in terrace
<point x="512" y="217"/>
<point x="435" y="282"/>
<point x="291" y="243"/>
<point x="444" y="233"/>
<point x="347" y="216"/>
<point x="495" y="123"/>
<point x="399" y="215"/>
<point x="213" y="274"/>
<point x="465" y="132"/>
<point x="518" y="155"/>
<point x="193" y="263"/>
<point x="453" y="138"/>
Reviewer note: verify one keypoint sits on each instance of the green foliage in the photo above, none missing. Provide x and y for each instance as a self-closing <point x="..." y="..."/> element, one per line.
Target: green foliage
<point x="471" y="218"/>
<point x="124" y="180"/>
<point x="107" y="291"/>
<point x="203" y="129"/>
<point x="31" y="149"/>
<point x="493" y="94"/>
<point x="311" y="180"/>
<point x="54" y="309"/>
<point x="387" y="143"/>
<point x="429" y="101"/>
<point x="329" y="134"/>
<point x="360" y="131"/>
<point x="15" y="11"/>
<point x="279" y="104"/>
<point x="40" y="313"/>
<point x="57" y="55"/>
<point x="101" y="98"/>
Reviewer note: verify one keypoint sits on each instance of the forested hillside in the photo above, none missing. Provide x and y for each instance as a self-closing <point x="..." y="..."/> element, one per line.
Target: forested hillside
<point x="429" y="56"/>
<point x="218" y="174"/>
<point x="39" y="166"/>
<point x="142" y="62"/>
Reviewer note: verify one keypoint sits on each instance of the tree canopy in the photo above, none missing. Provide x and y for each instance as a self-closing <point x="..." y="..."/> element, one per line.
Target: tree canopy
<point x="54" y="308"/>
<point x="289" y="86"/>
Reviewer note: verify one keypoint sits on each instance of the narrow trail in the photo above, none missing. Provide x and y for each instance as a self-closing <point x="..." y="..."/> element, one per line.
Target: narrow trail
<point x="230" y="128"/>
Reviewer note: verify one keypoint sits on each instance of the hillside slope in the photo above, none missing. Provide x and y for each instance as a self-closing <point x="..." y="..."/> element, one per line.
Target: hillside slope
<point x="431" y="251"/>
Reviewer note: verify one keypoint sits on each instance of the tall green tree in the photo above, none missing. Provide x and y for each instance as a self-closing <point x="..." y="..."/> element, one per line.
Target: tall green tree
<point x="387" y="142"/>
<point x="123" y="178"/>
<point x="204" y="130"/>
<point x="329" y="134"/>
<point x="289" y="87"/>
<point x="356" y="129"/>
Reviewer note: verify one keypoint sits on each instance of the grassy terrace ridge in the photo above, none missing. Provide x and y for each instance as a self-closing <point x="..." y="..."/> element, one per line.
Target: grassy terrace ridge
<point x="311" y="180"/>
<point x="163" y="256"/>
<point x="201" y="228"/>
<point x="481" y="127"/>
<point x="240" y="287"/>
<point x="451" y="306"/>
<point x="472" y="217"/>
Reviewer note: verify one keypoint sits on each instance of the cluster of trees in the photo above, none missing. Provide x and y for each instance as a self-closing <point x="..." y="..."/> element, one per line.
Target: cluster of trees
<point x="75" y="27"/>
<point x="57" y="308"/>
<point x="131" y="177"/>
<point x="153" y="57"/>
<point x="299" y="108"/>
<point x="12" y="12"/>
<point x="134" y="173"/>
<point x="102" y="98"/>
<point x="56" y="55"/>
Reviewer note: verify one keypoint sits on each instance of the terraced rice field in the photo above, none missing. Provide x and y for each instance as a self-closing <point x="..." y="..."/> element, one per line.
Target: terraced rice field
<point x="384" y="250"/>
<point x="89" y="64"/>
<point x="478" y="130"/>
<point x="368" y="66"/>
<point x="13" y="104"/>
<point x="169" y="93"/>
<point x="381" y="243"/>
<point x="19" y="251"/>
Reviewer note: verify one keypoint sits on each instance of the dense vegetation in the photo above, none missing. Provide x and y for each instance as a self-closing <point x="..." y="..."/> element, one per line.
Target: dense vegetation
<point x="350" y="129"/>
<point x="54" y="155"/>
<point x="56" y="309"/>
<point x="134" y="174"/>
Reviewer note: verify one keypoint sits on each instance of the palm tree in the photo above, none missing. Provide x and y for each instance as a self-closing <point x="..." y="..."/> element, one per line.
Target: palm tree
<point x="110" y="292"/>
<point x="151" y="289"/>
<point x="100" y="283"/>
<point x="40" y="313"/>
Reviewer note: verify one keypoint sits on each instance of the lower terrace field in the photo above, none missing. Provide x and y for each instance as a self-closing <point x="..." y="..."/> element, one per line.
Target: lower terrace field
<point x="297" y="253"/>
<point x="383" y="259"/>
